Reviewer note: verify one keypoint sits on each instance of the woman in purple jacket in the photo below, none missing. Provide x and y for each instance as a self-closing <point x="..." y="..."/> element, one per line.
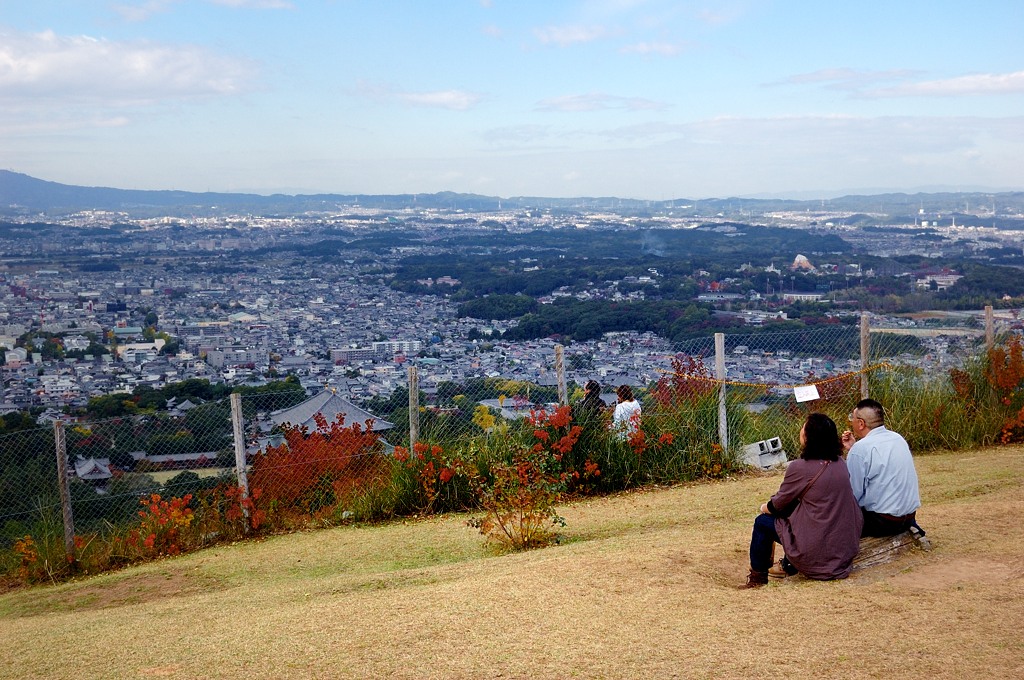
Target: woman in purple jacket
<point x="814" y="514"/>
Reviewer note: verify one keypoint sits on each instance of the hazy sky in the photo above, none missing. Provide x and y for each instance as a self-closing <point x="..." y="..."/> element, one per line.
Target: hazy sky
<point x="652" y="99"/>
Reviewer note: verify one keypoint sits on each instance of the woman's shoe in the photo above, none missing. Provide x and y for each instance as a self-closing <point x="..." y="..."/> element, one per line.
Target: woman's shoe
<point x="756" y="579"/>
<point x="782" y="569"/>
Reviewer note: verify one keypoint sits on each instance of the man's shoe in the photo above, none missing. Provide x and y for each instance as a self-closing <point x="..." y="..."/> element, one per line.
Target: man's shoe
<point x="782" y="569"/>
<point x="756" y="579"/>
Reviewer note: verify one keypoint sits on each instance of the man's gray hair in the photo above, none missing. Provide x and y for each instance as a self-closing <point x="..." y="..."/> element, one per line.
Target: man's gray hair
<point x="871" y="411"/>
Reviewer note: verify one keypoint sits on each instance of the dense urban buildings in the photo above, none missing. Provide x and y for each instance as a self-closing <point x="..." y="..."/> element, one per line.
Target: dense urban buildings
<point x="104" y="302"/>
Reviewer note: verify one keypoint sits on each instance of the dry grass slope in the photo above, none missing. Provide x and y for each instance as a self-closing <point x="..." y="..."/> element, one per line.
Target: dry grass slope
<point x="643" y="587"/>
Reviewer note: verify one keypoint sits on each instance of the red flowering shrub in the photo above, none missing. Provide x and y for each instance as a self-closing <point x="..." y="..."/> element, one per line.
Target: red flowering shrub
<point x="226" y="513"/>
<point x="519" y="498"/>
<point x="1013" y="430"/>
<point x="434" y="472"/>
<point x="569" y="444"/>
<point x="28" y="555"/>
<point x="637" y="440"/>
<point x="554" y="431"/>
<point x="313" y="473"/>
<point x="163" y="529"/>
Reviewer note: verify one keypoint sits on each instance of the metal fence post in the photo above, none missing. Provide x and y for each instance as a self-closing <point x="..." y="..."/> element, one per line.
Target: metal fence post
<point x="239" y="437"/>
<point x="723" y="421"/>
<point x="990" y="334"/>
<point x="414" y="406"/>
<point x="865" y="347"/>
<point x="563" y="395"/>
<point x="60" y="444"/>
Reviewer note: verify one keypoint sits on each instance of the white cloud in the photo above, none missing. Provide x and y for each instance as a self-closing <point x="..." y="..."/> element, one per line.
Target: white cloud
<point x="43" y="69"/>
<point x="137" y="12"/>
<point x="847" y="78"/>
<point x="59" y="122"/>
<point x="575" y="103"/>
<point x="724" y="15"/>
<point x="519" y="134"/>
<point x="978" y="84"/>
<point x="879" y="143"/>
<point x="142" y="11"/>
<point x="659" y="48"/>
<point x="564" y="36"/>
<point x="455" y="100"/>
<point x="737" y="155"/>
<point x="648" y="131"/>
<point x="255" y="4"/>
<point x="614" y="6"/>
<point x="866" y="83"/>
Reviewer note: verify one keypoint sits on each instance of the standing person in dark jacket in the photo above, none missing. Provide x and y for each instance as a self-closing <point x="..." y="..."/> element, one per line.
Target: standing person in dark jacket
<point x="591" y="405"/>
<point x="814" y="514"/>
<point x="589" y="413"/>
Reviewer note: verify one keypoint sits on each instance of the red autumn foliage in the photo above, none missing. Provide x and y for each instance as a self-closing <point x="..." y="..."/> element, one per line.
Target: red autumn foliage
<point x="1013" y="430"/>
<point x="689" y="381"/>
<point x="314" y="471"/>
<point x="964" y="388"/>
<point x="432" y="468"/>
<point x="1004" y="372"/>
<point x="554" y="431"/>
<point x="160" y="530"/>
<point x="1004" y="369"/>
<point x="238" y="510"/>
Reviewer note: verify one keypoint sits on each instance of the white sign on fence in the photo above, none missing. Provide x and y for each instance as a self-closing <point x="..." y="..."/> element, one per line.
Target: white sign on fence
<point x="806" y="392"/>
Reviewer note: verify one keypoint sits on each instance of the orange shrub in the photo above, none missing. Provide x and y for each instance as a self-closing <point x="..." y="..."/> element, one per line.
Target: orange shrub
<point x="1005" y="368"/>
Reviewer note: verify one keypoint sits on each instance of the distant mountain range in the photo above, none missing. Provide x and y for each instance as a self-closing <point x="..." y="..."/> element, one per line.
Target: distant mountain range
<point x="22" y="194"/>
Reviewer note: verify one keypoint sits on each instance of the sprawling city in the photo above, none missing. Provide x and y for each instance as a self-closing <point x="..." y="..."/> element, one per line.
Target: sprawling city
<point x="98" y="302"/>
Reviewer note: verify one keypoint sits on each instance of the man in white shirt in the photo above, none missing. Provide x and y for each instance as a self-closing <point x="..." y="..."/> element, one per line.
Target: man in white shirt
<point x="881" y="471"/>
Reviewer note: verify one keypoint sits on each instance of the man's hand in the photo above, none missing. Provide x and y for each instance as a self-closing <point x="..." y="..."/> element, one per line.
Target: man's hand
<point x="848" y="440"/>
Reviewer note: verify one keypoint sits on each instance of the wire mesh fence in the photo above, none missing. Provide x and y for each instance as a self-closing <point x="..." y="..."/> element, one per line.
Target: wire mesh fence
<point x="284" y="459"/>
<point x="28" y="479"/>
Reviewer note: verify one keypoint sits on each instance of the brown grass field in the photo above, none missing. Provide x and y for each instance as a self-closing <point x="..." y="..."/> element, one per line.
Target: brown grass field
<point x="643" y="585"/>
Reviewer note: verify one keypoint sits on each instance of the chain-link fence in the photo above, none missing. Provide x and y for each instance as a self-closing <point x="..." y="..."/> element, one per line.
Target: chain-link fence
<point x="284" y="459"/>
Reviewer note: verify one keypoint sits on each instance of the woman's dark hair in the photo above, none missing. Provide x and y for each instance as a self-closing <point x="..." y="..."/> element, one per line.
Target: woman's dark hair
<point x="592" y="386"/>
<point x="823" y="441"/>
<point x="624" y="392"/>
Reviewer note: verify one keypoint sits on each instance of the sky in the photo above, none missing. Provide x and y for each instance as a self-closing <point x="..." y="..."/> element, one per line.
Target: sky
<point x="647" y="99"/>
